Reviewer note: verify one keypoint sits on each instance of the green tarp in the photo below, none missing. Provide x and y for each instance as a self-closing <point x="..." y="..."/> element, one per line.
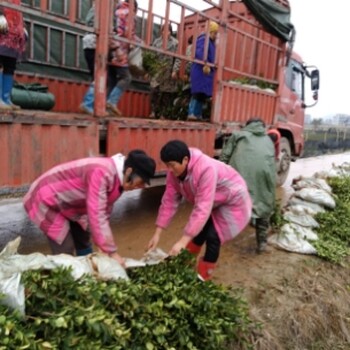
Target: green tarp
<point x="274" y="17"/>
<point x="32" y="96"/>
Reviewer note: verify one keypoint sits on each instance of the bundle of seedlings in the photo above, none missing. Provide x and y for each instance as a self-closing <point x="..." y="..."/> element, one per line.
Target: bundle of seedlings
<point x="163" y="306"/>
<point x="333" y="231"/>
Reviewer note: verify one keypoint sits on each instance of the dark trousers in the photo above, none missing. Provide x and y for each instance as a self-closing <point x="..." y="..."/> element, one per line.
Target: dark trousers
<point x="118" y="77"/>
<point x="89" y="55"/>
<point x="200" y="97"/>
<point x="210" y="237"/>
<point x="162" y="102"/>
<point x="76" y="242"/>
<point x="8" y="64"/>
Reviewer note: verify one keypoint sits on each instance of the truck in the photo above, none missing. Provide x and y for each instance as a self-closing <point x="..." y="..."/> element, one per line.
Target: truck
<point x="257" y="75"/>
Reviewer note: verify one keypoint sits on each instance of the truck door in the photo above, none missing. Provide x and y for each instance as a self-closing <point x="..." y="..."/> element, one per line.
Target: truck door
<point x="295" y="85"/>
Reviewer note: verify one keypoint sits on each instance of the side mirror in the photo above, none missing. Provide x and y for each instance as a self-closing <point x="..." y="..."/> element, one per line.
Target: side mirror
<point x="315" y="81"/>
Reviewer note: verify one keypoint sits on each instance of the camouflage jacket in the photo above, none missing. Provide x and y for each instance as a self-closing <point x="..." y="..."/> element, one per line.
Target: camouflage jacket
<point x="167" y="65"/>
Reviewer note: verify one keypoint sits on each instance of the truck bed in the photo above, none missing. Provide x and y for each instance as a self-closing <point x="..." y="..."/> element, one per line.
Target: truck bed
<point x="34" y="141"/>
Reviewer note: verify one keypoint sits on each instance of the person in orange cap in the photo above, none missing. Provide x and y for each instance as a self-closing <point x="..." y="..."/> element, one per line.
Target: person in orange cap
<point x="202" y="76"/>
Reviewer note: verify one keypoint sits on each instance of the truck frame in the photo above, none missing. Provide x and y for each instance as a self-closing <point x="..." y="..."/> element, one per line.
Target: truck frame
<point x="257" y="75"/>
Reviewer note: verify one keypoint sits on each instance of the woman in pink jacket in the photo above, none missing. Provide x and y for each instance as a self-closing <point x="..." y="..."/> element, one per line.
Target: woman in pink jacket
<point x="74" y="199"/>
<point x="220" y="198"/>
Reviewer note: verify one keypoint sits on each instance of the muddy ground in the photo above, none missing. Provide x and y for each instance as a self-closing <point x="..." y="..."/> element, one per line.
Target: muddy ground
<point x="301" y="301"/>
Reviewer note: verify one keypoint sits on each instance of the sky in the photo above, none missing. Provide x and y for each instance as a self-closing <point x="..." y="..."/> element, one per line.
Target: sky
<point x="322" y="40"/>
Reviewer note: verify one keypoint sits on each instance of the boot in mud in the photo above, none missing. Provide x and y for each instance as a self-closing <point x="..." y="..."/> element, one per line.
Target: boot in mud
<point x="261" y="228"/>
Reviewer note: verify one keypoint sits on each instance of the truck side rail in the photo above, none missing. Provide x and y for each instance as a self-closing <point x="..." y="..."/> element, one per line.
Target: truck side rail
<point x="246" y="53"/>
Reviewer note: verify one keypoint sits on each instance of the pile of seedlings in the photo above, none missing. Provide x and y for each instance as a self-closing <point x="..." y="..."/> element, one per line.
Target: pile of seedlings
<point x="334" y="235"/>
<point x="177" y="108"/>
<point x="163" y="306"/>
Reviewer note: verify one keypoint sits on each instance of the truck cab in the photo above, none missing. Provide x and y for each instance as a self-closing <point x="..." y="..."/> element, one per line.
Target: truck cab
<point x="298" y="90"/>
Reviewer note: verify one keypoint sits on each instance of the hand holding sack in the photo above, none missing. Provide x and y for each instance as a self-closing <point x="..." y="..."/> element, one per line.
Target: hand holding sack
<point x="4" y="27"/>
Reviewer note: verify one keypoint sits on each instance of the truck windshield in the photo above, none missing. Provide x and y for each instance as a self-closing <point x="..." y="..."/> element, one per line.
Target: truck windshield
<point x="295" y="78"/>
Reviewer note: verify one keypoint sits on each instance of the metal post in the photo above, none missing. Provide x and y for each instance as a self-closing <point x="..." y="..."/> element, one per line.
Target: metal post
<point x="131" y="20"/>
<point x="165" y="34"/>
<point x="43" y="5"/>
<point x="149" y="29"/>
<point x="73" y="11"/>
<point x="220" y="61"/>
<point x="102" y="25"/>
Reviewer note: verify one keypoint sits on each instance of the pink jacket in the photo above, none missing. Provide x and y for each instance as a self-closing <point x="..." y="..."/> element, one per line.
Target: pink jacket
<point x="215" y="189"/>
<point x="84" y="191"/>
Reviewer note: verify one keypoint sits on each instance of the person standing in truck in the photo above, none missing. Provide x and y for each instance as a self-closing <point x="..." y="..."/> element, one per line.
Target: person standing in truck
<point x="13" y="37"/>
<point x="251" y="152"/>
<point x="119" y="54"/>
<point x="202" y="76"/>
<point x="220" y="198"/>
<point x="89" y="41"/>
<point x="89" y="47"/>
<point x="188" y="54"/>
<point x="119" y="76"/>
<point x="164" y="82"/>
<point x="72" y="202"/>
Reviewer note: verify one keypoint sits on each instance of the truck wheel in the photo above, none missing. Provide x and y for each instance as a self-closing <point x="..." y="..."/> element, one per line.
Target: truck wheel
<point x="284" y="161"/>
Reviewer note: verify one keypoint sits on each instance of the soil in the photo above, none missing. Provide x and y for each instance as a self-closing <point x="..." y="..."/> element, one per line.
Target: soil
<point x="301" y="301"/>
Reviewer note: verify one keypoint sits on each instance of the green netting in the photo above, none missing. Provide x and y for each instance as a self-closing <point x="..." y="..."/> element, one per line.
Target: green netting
<point x="39" y="43"/>
<point x="60" y="50"/>
<point x="50" y="71"/>
<point x="56" y="54"/>
<point x="55" y="42"/>
<point x="70" y="52"/>
<point x="33" y="3"/>
<point x="58" y="6"/>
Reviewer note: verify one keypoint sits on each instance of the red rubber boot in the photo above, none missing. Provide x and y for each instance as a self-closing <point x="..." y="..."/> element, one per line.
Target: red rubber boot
<point x="193" y="248"/>
<point x="205" y="269"/>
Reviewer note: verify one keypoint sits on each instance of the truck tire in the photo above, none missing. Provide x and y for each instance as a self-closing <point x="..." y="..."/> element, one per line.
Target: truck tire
<point x="284" y="161"/>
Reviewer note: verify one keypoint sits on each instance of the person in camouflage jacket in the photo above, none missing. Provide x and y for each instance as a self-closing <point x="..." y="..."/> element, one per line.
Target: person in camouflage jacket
<point x="164" y="82"/>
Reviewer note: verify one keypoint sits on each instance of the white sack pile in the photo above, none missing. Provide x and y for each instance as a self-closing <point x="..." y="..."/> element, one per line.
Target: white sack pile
<point x="312" y="195"/>
<point x="99" y="265"/>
